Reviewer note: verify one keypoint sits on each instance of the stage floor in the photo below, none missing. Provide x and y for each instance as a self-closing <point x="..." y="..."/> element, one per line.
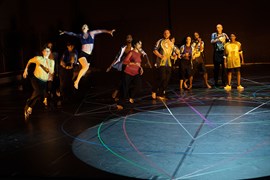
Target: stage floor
<point x="194" y="134"/>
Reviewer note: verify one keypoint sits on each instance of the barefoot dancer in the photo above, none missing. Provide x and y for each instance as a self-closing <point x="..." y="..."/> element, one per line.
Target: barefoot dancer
<point x="87" y="41"/>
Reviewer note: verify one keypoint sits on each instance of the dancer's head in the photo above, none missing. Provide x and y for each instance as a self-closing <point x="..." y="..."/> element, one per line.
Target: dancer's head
<point x="85" y="28"/>
<point x="137" y="44"/>
<point x="166" y="33"/>
<point x="129" y="38"/>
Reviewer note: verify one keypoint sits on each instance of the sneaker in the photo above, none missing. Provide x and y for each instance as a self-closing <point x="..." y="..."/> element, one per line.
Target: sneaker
<point x="240" y="88"/>
<point x="228" y="88"/>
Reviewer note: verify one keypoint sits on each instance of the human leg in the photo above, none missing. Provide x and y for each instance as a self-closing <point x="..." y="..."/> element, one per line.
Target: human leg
<point x="229" y="78"/>
<point x="239" y="87"/>
<point x="205" y="78"/>
<point x="85" y="66"/>
<point x="39" y="88"/>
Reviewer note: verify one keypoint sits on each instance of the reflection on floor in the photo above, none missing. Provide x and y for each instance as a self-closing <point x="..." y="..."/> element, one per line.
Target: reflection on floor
<point x="194" y="134"/>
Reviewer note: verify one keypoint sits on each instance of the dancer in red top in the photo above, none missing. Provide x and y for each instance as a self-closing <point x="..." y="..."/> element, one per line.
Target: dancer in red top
<point x="132" y="75"/>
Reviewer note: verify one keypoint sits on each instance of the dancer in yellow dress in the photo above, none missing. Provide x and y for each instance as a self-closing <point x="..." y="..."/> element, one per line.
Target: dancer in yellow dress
<point x="233" y="58"/>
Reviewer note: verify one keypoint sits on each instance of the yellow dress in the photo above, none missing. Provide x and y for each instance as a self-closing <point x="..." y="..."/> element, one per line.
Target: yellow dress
<point x="232" y="53"/>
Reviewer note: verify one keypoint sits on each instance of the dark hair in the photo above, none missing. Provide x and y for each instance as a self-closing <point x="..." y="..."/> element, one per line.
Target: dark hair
<point x="135" y="41"/>
<point x="233" y="34"/>
<point x="45" y="47"/>
<point x="69" y="43"/>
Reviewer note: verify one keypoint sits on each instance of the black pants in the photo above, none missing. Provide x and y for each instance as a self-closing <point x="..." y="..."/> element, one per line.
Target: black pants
<point x="66" y="83"/>
<point x="154" y="79"/>
<point x="165" y="76"/>
<point x="219" y="62"/>
<point x="185" y="69"/>
<point x="130" y="87"/>
<point x="39" y="90"/>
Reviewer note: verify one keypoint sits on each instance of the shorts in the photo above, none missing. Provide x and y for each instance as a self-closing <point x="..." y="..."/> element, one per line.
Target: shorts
<point x="87" y="56"/>
<point x="233" y="69"/>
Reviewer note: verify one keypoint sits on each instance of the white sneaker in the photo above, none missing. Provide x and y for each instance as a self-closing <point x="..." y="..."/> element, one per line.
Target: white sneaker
<point x="228" y="88"/>
<point x="240" y="88"/>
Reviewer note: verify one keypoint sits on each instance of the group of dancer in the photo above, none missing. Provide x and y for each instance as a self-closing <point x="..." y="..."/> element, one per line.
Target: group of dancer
<point x="190" y="57"/>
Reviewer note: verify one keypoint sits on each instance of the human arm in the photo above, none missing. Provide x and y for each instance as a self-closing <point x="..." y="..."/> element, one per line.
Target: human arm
<point x="51" y="67"/>
<point x="110" y="67"/>
<point x="68" y="33"/>
<point x="185" y="54"/>
<point x="126" y="60"/>
<point x="117" y="58"/>
<point x="192" y="54"/>
<point x="242" y="57"/>
<point x="99" y="31"/>
<point x="156" y="49"/>
<point x="25" y="72"/>
<point x="130" y="60"/>
<point x="148" y="62"/>
<point x="158" y="54"/>
<point x="214" y="38"/>
<point x="225" y="61"/>
<point x="201" y="45"/>
<point x="225" y="54"/>
<point x="141" y="70"/>
<point x="62" y="63"/>
<point x="241" y="53"/>
<point x="73" y="60"/>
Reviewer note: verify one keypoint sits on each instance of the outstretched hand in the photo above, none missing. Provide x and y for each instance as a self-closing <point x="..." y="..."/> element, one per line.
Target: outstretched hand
<point x="112" y="32"/>
<point x="61" y="32"/>
<point x="108" y="69"/>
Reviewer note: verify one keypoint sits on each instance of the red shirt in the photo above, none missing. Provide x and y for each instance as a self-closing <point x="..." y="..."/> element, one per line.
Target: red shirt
<point x="132" y="57"/>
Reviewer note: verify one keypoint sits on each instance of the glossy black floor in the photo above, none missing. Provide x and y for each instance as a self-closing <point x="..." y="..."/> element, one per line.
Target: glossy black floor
<point x="44" y="145"/>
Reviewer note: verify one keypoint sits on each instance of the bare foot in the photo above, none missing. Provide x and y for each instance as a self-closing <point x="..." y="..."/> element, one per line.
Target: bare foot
<point x="131" y="100"/>
<point x="114" y="94"/>
<point x="208" y="86"/>
<point x="154" y="95"/>
<point x="76" y="85"/>
<point x="119" y="107"/>
<point x="185" y="85"/>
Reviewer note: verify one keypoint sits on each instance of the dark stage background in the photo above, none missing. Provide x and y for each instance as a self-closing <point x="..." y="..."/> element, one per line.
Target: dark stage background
<point x="25" y="25"/>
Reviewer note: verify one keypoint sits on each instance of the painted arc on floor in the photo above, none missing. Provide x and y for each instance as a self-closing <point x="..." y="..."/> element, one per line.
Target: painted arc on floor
<point x="229" y="142"/>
